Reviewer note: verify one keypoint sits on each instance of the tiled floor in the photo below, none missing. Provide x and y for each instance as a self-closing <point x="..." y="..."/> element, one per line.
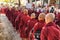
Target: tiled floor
<point x="8" y="32"/>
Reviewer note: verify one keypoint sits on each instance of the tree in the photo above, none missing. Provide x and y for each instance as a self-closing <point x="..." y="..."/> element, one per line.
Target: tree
<point x="19" y="2"/>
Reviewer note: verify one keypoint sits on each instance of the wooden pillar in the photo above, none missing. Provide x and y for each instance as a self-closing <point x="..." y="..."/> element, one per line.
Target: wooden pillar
<point x="19" y="2"/>
<point x="30" y="1"/>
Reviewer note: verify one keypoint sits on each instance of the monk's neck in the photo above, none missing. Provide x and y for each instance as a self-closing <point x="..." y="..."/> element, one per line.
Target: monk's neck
<point x="48" y="22"/>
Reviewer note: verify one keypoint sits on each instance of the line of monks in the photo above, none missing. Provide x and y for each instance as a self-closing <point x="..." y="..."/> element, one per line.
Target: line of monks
<point x="34" y="25"/>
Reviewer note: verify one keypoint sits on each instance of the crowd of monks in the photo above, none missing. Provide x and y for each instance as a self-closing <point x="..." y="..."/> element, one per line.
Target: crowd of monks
<point x="33" y="24"/>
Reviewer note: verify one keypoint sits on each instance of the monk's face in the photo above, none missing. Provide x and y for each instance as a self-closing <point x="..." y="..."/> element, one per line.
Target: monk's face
<point x="40" y="18"/>
<point x="25" y="12"/>
<point x="33" y="16"/>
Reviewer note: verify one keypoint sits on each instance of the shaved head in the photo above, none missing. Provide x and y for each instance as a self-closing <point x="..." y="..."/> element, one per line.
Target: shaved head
<point x="50" y="17"/>
<point x="33" y="15"/>
<point x="25" y="11"/>
<point x="41" y="16"/>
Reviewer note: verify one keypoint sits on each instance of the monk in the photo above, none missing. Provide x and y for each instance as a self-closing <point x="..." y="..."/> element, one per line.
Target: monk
<point x="2" y="9"/>
<point x="18" y="19"/>
<point x="31" y="23"/>
<point x="9" y="13"/>
<point x="12" y="16"/>
<point x="38" y="26"/>
<point x="23" y="24"/>
<point x="15" y="14"/>
<point x="50" y="31"/>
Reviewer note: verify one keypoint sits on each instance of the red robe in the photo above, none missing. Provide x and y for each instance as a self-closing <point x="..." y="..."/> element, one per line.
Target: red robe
<point x="37" y="14"/>
<point x="18" y="20"/>
<point x="10" y="15"/>
<point x="6" y="9"/>
<point x="31" y="11"/>
<point x="13" y="17"/>
<point x="37" y="26"/>
<point x="58" y="19"/>
<point x="3" y="10"/>
<point x="15" y="14"/>
<point x="23" y="26"/>
<point x="50" y="32"/>
<point x="31" y="24"/>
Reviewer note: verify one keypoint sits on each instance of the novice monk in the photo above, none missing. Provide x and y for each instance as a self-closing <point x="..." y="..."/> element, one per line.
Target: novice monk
<point x="9" y="13"/>
<point x="50" y="31"/>
<point x="23" y="24"/>
<point x="18" y="19"/>
<point x="37" y="27"/>
<point x="31" y="23"/>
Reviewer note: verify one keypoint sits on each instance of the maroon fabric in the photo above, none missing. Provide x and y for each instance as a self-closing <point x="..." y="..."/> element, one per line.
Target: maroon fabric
<point x="6" y="9"/>
<point x="37" y="26"/>
<point x="2" y="10"/>
<point x="50" y="32"/>
<point x="31" y="24"/>
<point x="18" y="20"/>
<point x="23" y="26"/>
<point x="30" y="12"/>
<point x="58" y="19"/>
<point x="58" y="16"/>
<point x="13" y="17"/>
<point x="10" y="15"/>
<point x="15" y="14"/>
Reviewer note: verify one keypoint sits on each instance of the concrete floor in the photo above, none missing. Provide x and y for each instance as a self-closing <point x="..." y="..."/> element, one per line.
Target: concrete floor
<point x="7" y="32"/>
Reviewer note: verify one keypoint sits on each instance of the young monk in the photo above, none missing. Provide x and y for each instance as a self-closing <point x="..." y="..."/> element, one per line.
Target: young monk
<point x="31" y="23"/>
<point x="38" y="26"/>
<point x="12" y="16"/>
<point x="15" y="14"/>
<point x="50" y="31"/>
<point x="18" y="18"/>
<point x="9" y="13"/>
<point x="23" y="24"/>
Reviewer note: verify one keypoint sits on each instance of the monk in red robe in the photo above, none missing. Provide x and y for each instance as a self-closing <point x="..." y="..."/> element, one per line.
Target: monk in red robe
<point x="18" y="20"/>
<point x="9" y="14"/>
<point x="12" y="16"/>
<point x="2" y="10"/>
<point x="15" y="14"/>
<point x="38" y="26"/>
<point x="50" y="31"/>
<point x="31" y="23"/>
<point x="23" y="24"/>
